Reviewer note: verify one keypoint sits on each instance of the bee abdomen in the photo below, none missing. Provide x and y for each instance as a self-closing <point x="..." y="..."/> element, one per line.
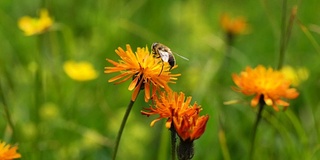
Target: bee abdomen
<point x="171" y="61"/>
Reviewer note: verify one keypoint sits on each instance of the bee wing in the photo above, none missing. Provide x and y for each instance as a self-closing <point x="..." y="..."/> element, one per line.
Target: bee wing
<point x="164" y="56"/>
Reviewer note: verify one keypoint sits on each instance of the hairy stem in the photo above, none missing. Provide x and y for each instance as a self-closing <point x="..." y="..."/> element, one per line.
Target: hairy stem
<point x="255" y="128"/>
<point x="173" y="142"/>
<point x="123" y="123"/>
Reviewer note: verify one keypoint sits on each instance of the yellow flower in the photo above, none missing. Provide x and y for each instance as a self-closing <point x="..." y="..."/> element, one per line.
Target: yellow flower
<point x="233" y="26"/>
<point x="267" y="85"/>
<point x="31" y="26"/>
<point x="143" y="69"/>
<point x="7" y="152"/>
<point x="178" y="111"/>
<point x="295" y="75"/>
<point x="80" y="71"/>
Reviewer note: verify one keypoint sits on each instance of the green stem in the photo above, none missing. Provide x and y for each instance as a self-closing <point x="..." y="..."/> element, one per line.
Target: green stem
<point x="163" y="146"/>
<point x="283" y="34"/>
<point x="310" y="37"/>
<point x="123" y="123"/>
<point x="229" y="43"/>
<point x="39" y="91"/>
<point x="223" y="141"/>
<point x="7" y="113"/>
<point x="229" y="39"/>
<point x="173" y="142"/>
<point x="255" y="128"/>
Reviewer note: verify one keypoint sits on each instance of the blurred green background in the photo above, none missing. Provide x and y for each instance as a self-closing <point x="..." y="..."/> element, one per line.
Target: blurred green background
<point x="55" y="117"/>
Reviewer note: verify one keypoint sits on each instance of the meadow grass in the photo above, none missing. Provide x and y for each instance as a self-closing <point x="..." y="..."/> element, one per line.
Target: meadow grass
<point x="52" y="116"/>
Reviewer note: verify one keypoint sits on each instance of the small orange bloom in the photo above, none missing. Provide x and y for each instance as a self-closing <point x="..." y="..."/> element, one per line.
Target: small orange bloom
<point x="185" y="118"/>
<point x="233" y="26"/>
<point x="144" y="70"/>
<point x="264" y="83"/>
<point x="33" y="26"/>
<point x="7" y="152"/>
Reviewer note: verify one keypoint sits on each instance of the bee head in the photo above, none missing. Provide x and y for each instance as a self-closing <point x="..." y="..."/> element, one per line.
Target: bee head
<point x="154" y="44"/>
<point x="154" y="47"/>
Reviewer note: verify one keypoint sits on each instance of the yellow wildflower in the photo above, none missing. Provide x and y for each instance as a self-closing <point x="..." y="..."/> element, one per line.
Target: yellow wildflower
<point x="80" y="71"/>
<point x="32" y="26"/>
<point x="295" y="75"/>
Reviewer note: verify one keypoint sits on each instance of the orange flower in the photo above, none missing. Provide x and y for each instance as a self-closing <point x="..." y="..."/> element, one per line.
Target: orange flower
<point x="7" y="152"/>
<point x="178" y="111"/>
<point x="264" y="83"/>
<point x="144" y="70"/>
<point x="233" y="26"/>
<point x="33" y="26"/>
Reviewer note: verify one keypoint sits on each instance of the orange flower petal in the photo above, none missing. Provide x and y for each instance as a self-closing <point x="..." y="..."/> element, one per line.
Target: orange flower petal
<point x="255" y="100"/>
<point x="177" y="110"/>
<point x="266" y="82"/>
<point x="7" y="152"/>
<point x="145" y="69"/>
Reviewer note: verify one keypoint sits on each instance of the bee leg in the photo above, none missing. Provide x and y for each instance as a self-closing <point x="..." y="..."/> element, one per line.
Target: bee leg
<point x="161" y="69"/>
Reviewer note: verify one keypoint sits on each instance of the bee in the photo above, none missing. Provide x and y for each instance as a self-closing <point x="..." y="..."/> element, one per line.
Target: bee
<point x="161" y="51"/>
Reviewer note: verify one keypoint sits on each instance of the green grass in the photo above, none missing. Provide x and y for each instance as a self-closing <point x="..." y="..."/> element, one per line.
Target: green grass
<point x="55" y="117"/>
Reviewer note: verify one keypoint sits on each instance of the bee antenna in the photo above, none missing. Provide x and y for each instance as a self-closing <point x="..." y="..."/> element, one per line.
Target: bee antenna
<point x="185" y="58"/>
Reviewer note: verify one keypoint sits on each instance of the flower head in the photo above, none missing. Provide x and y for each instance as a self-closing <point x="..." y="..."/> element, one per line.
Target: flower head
<point x="178" y="111"/>
<point x="7" y="152"/>
<point x="80" y="71"/>
<point x="296" y="75"/>
<point x="32" y="26"/>
<point x="143" y="69"/>
<point x="266" y="84"/>
<point x="233" y="26"/>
